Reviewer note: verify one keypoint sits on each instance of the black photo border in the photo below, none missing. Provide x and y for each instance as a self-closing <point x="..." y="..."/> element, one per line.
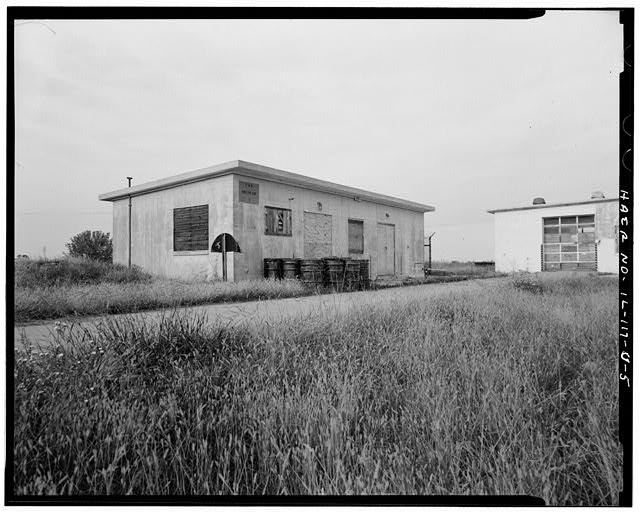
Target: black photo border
<point x="15" y="13"/>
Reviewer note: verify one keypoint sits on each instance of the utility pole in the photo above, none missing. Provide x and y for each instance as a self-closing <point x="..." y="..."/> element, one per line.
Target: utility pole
<point x="428" y="238"/>
<point x="224" y="257"/>
<point x="129" y="179"/>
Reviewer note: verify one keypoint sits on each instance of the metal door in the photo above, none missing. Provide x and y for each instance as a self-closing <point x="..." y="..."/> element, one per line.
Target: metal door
<point x="386" y="257"/>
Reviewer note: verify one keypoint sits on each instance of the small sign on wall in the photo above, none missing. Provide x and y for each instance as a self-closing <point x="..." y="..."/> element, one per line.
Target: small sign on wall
<point x="249" y="192"/>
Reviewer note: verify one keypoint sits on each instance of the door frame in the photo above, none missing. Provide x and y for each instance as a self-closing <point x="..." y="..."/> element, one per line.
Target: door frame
<point x="393" y="273"/>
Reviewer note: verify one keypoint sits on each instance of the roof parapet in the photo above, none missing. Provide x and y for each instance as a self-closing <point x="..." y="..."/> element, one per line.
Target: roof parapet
<point x="258" y="171"/>
<point x="548" y="205"/>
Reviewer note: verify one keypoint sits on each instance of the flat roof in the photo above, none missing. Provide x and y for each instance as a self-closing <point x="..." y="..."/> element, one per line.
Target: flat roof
<point x="258" y="171"/>
<point x="548" y="205"/>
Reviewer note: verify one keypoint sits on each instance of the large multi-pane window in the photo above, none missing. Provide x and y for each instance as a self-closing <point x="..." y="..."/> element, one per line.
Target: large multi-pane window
<point x="569" y="243"/>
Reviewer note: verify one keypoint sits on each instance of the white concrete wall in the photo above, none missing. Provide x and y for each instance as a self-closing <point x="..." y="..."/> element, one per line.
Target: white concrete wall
<point x="519" y="234"/>
<point x="607" y="216"/>
<point x="255" y="245"/>
<point x="152" y="229"/>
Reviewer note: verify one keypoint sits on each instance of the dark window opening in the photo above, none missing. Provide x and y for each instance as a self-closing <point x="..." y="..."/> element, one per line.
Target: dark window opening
<point x="191" y="228"/>
<point x="277" y="222"/>
<point x="356" y="236"/>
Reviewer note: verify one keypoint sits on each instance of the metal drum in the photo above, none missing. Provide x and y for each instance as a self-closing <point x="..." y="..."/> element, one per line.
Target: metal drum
<point x="311" y="272"/>
<point x="352" y="274"/>
<point x="289" y="269"/>
<point x="334" y="272"/>
<point x="364" y="273"/>
<point x="272" y="268"/>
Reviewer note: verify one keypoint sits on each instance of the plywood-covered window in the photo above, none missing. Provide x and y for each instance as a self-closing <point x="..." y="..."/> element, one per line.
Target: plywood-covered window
<point x="191" y="228"/>
<point x="356" y="236"/>
<point x="569" y="243"/>
<point x="277" y="222"/>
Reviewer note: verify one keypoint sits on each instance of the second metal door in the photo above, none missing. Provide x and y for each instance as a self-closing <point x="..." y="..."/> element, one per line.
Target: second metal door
<point x="386" y="258"/>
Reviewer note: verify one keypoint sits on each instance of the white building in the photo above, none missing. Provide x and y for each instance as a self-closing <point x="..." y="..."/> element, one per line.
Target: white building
<point x="168" y="226"/>
<point x="561" y="236"/>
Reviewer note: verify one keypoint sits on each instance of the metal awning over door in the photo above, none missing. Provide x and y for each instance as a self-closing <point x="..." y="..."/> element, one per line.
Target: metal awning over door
<point x="569" y="243"/>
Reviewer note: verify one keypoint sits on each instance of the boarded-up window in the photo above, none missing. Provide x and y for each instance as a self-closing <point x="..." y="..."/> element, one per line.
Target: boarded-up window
<point x="191" y="228"/>
<point x="356" y="236"/>
<point x="277" y="222"/>
<point x="318" y="234"/>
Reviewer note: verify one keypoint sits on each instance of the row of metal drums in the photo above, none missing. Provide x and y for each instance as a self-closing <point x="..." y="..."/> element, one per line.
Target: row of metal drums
<point x="334" y="272"/>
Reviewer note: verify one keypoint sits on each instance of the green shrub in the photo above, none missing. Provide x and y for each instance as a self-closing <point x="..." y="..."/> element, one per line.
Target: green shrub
<point x="95" y="245"/>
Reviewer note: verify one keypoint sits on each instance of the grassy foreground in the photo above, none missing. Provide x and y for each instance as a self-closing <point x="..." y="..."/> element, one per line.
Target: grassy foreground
<point x="511" y="390"/>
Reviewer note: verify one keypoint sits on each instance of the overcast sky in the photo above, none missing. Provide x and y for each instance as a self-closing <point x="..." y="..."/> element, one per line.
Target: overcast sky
<point x="463" y="115"/>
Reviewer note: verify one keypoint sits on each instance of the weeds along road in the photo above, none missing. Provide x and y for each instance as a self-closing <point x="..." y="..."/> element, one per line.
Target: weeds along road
<point x="265" y="311"/>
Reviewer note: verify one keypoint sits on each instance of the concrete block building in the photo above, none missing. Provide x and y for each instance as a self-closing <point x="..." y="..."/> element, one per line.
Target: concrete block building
<point x="570" y="236"/>
<point x="270" y="213"/>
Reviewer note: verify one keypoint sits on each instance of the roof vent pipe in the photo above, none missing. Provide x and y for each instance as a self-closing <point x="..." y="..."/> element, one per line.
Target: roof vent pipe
<point x="597" y="195"/>
<point x="538" y="200"/>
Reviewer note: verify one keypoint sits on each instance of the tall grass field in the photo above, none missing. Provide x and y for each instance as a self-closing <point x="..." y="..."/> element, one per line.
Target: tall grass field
<point x="80" y="287"/>
<point x="69" y="287"/>
<point x="510" y="390"/>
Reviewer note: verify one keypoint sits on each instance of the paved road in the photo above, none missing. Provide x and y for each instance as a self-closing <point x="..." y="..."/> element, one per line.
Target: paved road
<point x="269" y="310"/>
